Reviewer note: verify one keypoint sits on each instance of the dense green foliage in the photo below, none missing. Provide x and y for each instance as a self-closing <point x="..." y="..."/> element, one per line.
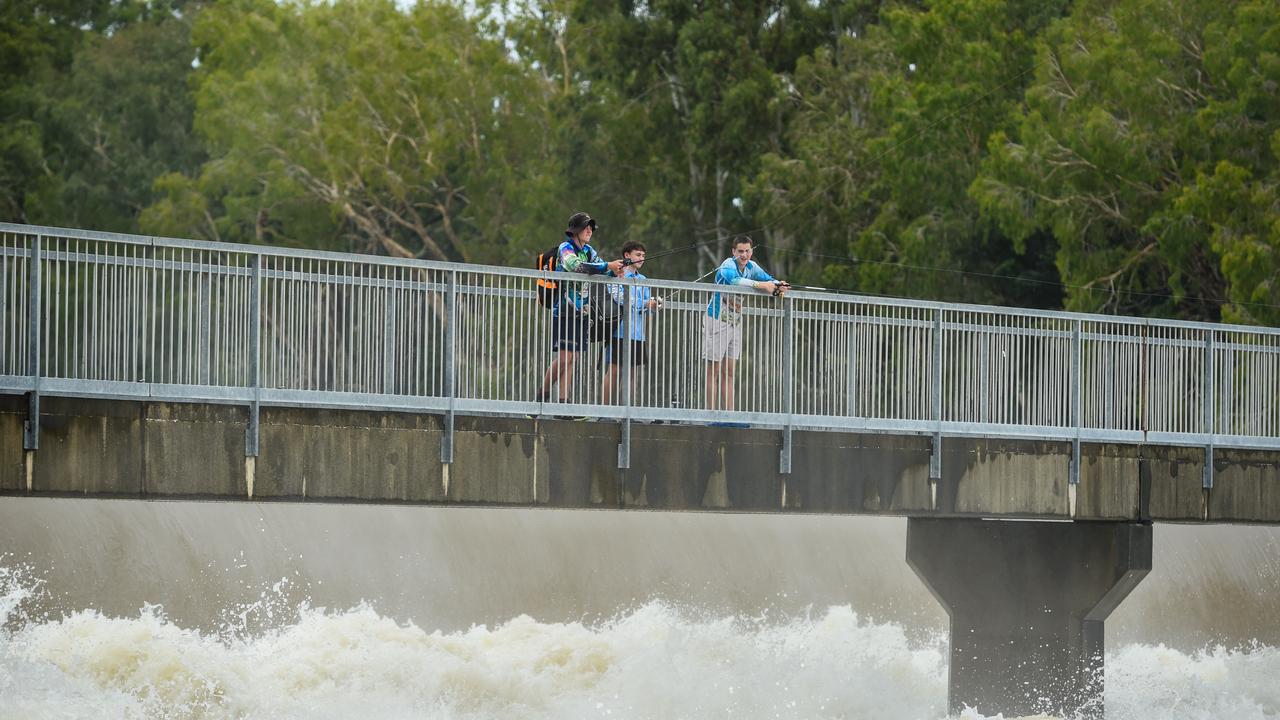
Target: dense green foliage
<point x="1103" y="155"/>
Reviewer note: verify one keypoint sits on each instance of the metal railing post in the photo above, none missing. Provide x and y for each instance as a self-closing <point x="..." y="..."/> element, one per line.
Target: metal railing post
<point x="935" y="458"/>
<point x="389" y="343"/>
<point x="1077" y="400"/>
<point x="789" y="381"/>
<point x="624" y="447"/>
<point x="450" y="370"/>
<point x="255" y="355"/>
<point x="1209" y="402"/>
<point x="31" y="428"/>
<point x="204" y="346"/>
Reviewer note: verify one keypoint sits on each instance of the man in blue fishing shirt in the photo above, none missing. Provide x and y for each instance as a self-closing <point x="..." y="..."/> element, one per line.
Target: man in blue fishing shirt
<point x="722" y="325"/>
<point x="568" y="317"/>
<point x="642" y="303"/>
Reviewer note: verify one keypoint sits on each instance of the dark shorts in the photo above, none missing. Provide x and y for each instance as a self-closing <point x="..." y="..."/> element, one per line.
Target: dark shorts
<point x="613" y="352"/>
<point x="569" y="331"/>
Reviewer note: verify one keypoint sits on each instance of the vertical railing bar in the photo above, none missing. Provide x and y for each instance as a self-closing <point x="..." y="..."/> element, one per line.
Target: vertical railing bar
<point x="388" y="339"/>
<point x="1077" y="400"/>
<point x="206" y="342"/>
<point x="1209" y="395"/>
<point x="255" y="344"/>
<point x="451" y="305"/>
<point x="788" y="380"/>
<point x="624" y="346"/>
<point x="31" y="434"/>
<point x="935" y="391"/>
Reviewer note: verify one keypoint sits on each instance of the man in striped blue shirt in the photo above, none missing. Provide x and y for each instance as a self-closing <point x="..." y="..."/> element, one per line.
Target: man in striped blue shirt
<point x="722" y="325"/>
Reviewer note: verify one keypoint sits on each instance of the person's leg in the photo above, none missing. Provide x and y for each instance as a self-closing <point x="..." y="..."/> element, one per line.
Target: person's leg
<point x="606" y="387"/>
<point x="558" y="345"/>
<point x="713" y="384"/>
<point x="639" y="358"/>
<point x="726" y="383"/>
<point x="567" y="360"/>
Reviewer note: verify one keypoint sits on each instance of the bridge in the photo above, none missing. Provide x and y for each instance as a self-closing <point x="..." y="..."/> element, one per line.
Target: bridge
<point x="1031" y="451"/>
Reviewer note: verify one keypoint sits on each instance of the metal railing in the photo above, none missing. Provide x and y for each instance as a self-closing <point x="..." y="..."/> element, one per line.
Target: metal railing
<point x="120" y="316"/>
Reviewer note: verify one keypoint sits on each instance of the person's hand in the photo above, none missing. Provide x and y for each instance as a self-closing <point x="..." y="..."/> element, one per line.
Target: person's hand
<point x="654" y="303"/>
<point x="780" y="287"/>
<point x="615" y="266"/>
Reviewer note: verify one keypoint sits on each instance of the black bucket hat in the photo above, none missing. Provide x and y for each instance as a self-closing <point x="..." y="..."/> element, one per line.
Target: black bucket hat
<point x="580" y="220"/>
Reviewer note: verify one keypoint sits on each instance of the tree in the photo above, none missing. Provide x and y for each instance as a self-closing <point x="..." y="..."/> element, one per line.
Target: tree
<point x="671" y="106"/>
<point x="1146" y="146"/>
<point x="123" y="116"/>
<point x="357" y="124"/>
<point x="889" y="132"/>
<point x="38" y="40"/>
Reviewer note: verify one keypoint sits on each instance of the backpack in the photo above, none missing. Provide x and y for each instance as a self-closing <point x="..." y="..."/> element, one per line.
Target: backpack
<point x="548" y="289"/>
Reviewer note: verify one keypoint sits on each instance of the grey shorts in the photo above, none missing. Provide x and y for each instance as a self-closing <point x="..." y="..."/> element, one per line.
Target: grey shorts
<point x="720" y="340"/>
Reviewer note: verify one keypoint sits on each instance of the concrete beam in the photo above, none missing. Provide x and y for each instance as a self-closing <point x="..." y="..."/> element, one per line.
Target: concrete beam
<point x="1027" y="601"/>
<point x="157" y="450"/>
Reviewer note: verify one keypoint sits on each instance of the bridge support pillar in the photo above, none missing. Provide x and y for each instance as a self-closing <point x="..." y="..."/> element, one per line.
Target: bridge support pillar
<point x="1027" y="601"/>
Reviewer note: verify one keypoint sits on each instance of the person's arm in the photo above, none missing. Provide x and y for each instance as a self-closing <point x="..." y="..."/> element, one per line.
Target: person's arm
<point x="573" y="262"/>
<point x="728" y="275"/>
<point x="765" y="282"/>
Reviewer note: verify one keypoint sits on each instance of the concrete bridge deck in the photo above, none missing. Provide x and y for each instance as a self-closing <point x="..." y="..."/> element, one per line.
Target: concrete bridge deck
<point x="158" y="450"/>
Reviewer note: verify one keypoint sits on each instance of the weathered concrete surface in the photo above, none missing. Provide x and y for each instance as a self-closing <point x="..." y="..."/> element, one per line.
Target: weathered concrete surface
<point x="985" y="477"/>
<point x="1176" y="483"/>
<point x="1110" y="482"/>
<point x="577" y="463"/>
<point x="13" y="410"/>
<point x="192" y="450"/>
<point x="682" y="467"/>
<point x="95" y="447"/>
<point x="347" y="455"/>
<point x="1027" y="601"/>
<point x="155" y="450"/>
<point x="1246" y="486"/>
<point x="858" y="473"/>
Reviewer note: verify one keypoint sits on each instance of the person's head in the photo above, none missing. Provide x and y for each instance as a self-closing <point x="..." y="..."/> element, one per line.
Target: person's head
<point x="634" y="251"/>
<point x="742" y="249"/>
<point x="581" y="227"/>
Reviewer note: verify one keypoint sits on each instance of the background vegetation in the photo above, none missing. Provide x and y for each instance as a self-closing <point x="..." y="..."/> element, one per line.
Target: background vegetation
<point x="1101" y="155"/>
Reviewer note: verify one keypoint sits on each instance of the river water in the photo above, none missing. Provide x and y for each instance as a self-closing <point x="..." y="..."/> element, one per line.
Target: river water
<point x="128" y="609"/>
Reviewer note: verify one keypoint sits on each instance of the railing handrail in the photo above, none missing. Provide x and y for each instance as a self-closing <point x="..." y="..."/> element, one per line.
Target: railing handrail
<point x="842" y="297"/>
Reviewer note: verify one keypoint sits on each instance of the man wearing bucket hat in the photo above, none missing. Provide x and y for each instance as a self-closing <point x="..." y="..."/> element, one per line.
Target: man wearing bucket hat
<point x="569" y="335"/>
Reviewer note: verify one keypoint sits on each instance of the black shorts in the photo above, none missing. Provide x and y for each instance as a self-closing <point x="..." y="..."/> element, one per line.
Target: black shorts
<point x="613" y="352"/>
<point x="569" y="331"/>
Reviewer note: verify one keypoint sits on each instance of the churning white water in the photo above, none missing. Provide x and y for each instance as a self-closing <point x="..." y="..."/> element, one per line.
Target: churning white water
<point x="262" y="649"/>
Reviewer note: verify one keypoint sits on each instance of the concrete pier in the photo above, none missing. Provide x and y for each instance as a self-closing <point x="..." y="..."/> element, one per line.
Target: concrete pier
<point x="1027" y="602"/>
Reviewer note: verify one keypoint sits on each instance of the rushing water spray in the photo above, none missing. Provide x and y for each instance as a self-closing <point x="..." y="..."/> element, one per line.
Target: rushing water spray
<point x="656" y="661"/>
<point x="267" y="650"/>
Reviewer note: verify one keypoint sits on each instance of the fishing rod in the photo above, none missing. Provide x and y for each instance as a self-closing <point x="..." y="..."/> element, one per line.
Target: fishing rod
<point x="627" y="261"/>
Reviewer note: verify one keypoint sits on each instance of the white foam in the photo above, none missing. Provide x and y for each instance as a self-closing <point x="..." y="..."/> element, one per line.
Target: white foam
<point x="657" y="661"/>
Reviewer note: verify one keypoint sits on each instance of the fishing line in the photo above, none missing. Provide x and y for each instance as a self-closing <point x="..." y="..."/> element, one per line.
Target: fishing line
<point x="997" y="276"/>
